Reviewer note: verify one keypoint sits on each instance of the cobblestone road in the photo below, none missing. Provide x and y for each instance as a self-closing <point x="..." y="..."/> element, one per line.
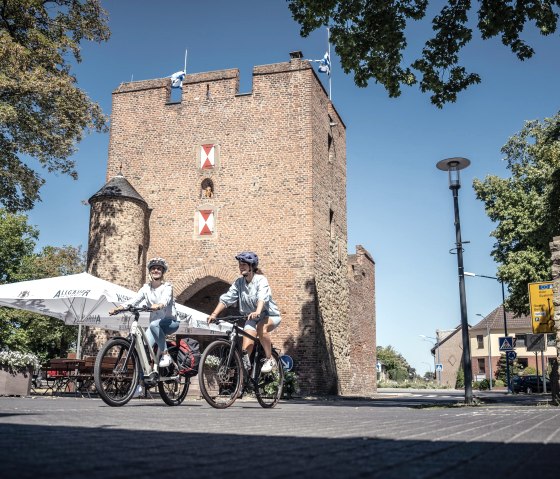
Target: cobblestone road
<point x="71" y="438"/>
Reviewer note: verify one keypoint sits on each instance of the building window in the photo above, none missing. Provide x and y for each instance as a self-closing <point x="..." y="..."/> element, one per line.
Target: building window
<point x="521" y="340"/>
<point x="481" y="366"/>
<point x="522" y="362"/>
<point x="208" y="155"/>
<point x="205" y="223"/>
<point x="551" y="340"/>
<point x="480" y="341"/>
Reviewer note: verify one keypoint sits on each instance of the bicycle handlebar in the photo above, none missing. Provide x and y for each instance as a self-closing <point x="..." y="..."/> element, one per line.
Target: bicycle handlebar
<point x="230" y="319"/>
<point x="132" y="309"/>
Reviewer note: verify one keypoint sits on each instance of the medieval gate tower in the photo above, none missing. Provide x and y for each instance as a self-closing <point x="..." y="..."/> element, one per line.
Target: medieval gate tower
<point x="218" y="172"/>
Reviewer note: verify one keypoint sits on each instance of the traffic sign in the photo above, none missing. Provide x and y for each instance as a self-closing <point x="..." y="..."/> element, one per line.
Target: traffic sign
<point x="541" y="306"/>
<point x="439" y="367"/>
<point x="511" y="355"/>
<point x="287" y="362"/>
<point x="507" y="343"/>
<point x="535" y="342"/>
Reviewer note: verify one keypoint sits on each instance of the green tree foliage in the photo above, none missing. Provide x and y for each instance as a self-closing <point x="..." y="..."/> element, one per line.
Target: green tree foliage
<point x="43" y="114"/>
<point x="17" y="241"/>
<point x="370" y="38"/>
<point x="526" y="208"/>
<point x="501" y="370"/>
<point x="398" y="368"/>
<point x="21" y="330"/>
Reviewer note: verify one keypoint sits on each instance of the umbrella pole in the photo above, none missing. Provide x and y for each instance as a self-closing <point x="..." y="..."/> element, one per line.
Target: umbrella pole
<point x="78" y="346"/>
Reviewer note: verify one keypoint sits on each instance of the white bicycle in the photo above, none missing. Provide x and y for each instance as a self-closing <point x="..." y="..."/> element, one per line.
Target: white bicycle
<point x="124" y="363"/>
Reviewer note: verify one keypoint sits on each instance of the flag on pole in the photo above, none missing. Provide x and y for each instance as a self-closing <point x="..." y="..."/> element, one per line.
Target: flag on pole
<point x="177" y="79"/>
<point x="325" y="64"/>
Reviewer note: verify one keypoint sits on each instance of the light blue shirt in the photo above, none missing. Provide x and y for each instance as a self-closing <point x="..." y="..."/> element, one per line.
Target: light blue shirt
<point x="249" y="294"/>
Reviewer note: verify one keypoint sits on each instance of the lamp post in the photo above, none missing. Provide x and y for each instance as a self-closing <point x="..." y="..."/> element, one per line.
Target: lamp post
<point x="435" y="342"/>
<point x="505" y="320"/>
<point x="453" y="166"/>
<point x="489" y="350"/>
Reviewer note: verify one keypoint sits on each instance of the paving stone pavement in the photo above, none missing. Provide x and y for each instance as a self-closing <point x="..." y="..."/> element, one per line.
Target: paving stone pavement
<point x="83" y="438"/>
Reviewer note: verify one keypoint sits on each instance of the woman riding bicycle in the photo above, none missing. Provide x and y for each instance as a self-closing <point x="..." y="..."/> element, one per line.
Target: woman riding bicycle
<point x="158" y="296"/>
<point x="252" y="291"/>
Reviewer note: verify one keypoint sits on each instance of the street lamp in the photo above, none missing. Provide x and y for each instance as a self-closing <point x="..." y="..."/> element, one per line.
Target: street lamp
<point x="505" y="319"/>
<point x="489" y="349"/>
<point x="453" y="166"/>
<point x="435" y="342"/>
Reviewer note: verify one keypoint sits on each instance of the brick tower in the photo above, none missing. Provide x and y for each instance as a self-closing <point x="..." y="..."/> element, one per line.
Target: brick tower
<point x="220" y="172"/>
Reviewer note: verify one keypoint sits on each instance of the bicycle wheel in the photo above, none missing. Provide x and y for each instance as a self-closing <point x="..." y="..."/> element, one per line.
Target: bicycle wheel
<point x="116" y="372"/>
<point x="174" y="390"/>
<point x="270" y="385"/>
<point x="219" y="381"/>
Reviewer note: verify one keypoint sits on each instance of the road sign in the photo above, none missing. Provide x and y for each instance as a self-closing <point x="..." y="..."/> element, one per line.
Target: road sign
<point x="535" y="342"/>
<point x="511" y="355"/>
<point x="439" y="367"/>
<point x="287" y="362"/>
<point x="507" y="343"/>
<point x="541" y="306"/>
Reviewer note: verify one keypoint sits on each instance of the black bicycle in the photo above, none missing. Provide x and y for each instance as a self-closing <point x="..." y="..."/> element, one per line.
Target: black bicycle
<point x="223" y="378"/>
<point x="123" y="363"/>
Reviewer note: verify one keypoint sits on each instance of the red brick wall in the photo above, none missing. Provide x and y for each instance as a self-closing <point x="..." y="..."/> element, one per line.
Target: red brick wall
<point x="275" y="185"/>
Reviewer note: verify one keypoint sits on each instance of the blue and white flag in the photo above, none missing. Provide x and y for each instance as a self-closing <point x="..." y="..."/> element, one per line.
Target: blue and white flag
<point x="325" y="64"/>
<point x="177" y="79"/>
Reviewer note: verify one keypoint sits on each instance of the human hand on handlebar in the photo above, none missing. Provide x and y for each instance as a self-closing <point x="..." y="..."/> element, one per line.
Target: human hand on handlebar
<point x="114" y="311"/>
<point x="253" y="315"/>
<point x="211" y="318"/>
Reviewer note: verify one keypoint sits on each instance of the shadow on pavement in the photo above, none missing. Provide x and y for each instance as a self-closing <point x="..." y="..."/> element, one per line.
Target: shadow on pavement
<point x="73" y="452"/>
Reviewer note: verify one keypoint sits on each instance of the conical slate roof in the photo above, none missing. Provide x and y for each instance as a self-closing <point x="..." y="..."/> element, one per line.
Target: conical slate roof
<point x="118" y="187"/>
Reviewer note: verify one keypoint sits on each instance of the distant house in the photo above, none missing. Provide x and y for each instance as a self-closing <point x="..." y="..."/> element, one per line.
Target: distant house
<point x="485" y="348"/>
<point x="448" y="351"/>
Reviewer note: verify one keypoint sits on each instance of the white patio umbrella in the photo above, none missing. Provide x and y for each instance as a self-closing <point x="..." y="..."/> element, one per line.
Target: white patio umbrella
<point x="83" y="299"/>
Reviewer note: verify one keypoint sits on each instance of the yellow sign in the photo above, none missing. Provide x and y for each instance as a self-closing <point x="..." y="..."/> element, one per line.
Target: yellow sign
<point x="542" y="307"/>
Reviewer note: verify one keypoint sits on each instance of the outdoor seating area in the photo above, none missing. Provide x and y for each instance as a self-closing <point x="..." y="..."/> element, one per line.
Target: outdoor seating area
<point x="62" y="376"/>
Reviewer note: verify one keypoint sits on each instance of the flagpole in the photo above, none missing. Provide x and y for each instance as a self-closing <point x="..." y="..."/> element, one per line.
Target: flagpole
<point x="185" y="70"/>
<point x="330" y="70"/>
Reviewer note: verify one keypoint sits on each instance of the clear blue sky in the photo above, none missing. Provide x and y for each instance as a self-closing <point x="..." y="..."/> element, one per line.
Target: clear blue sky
<point x="399" y="204"/>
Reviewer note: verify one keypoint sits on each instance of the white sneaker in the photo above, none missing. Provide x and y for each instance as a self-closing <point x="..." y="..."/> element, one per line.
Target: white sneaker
<point x="268" y="364"/>
<point x="165" y="361"/>
<point x="139" y="391"/>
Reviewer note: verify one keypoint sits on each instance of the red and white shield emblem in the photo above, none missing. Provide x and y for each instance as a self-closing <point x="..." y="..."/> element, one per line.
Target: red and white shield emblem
<point x="207" y="156"/>
<point x="205" y="222"/>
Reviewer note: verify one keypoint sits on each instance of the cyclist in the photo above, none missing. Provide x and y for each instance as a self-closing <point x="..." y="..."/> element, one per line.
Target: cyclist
<point x="158" y="296"/>
<point x="252" y="291"/>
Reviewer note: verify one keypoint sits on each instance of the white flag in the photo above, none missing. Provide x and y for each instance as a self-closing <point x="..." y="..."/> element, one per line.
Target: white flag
<point x="325" y="64"/>
<point x="177" y="79"/>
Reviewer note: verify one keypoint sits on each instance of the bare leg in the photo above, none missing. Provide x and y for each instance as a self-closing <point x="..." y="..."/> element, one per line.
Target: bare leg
<point x="264" y="336"/>
<point x="247" y="343"/>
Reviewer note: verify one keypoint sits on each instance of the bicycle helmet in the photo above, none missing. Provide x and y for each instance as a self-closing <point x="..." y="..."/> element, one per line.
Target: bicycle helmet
<point x="248" y="257"/>
<point x="157" y="262"/>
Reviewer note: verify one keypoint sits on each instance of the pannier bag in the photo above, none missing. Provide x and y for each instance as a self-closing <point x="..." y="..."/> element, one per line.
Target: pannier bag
<point x="188" y="356"/>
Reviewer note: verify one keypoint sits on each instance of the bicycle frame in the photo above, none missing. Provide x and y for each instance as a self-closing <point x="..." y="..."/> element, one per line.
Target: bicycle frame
<point x="140" y="343"/>
<point x="234" y="335"/>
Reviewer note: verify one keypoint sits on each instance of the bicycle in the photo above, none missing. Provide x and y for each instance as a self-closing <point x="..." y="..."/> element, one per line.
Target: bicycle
<point x="123" y="363"/>
<point x="222" y="377"/>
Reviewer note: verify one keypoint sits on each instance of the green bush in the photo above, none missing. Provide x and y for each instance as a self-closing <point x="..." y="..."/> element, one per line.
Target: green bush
<point x="499" y="383"/>
<point x="460" y="381"/>
<point x="290" y="384"/>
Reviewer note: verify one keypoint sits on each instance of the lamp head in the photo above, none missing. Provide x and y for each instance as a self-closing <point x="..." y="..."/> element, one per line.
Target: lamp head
<point x="453" y="166"/>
